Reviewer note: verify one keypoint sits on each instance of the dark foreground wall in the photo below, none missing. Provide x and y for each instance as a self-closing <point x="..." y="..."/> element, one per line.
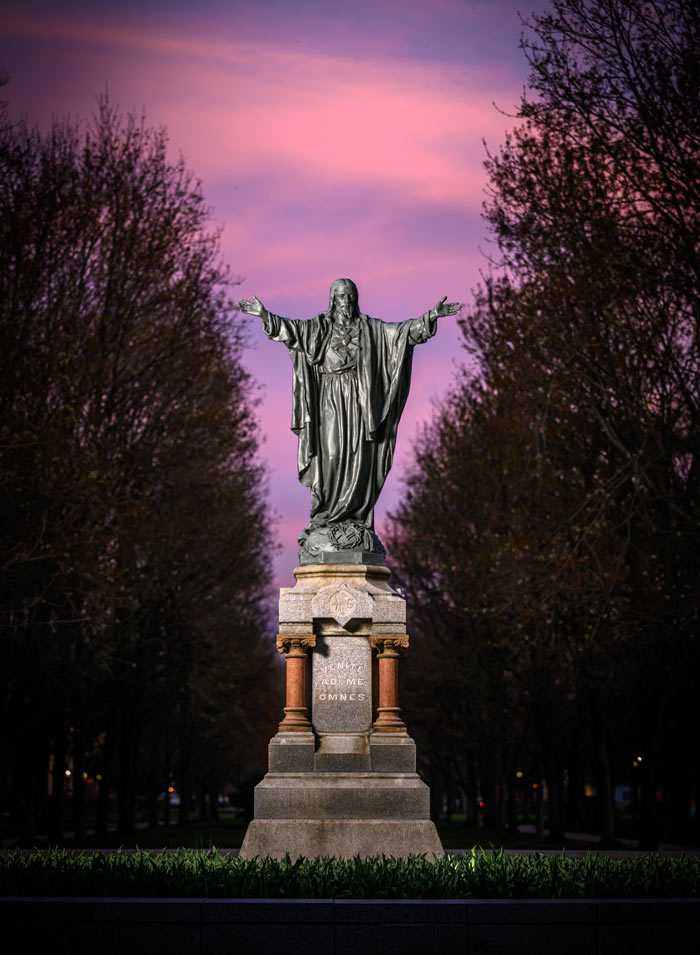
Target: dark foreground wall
<point x="341" y="927"/>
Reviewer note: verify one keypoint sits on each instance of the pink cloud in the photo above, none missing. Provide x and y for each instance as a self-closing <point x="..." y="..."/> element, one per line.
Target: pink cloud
<point x="244" y="107"/>
<point x="330" y="120"/>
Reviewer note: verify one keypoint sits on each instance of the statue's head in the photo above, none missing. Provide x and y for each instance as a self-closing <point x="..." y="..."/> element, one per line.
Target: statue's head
<point x="343" y="299"/>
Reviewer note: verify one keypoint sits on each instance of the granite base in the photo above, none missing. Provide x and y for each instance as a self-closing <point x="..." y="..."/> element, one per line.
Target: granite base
<point x="341" y="838"/>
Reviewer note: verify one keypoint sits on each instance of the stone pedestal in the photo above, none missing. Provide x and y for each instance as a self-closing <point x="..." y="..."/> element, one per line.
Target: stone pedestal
<point x="340" y="784"/>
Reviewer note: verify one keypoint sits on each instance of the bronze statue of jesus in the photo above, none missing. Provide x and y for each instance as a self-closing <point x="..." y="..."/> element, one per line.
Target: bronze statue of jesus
<point x="351" y="379"/>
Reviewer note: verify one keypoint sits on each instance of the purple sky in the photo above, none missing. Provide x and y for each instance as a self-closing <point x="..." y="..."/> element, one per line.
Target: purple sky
<point x="332" y="139"/>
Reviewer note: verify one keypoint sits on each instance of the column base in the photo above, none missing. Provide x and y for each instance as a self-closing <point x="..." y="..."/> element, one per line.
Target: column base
<point x="296" y="720"/>
<point x="388" y="720"/>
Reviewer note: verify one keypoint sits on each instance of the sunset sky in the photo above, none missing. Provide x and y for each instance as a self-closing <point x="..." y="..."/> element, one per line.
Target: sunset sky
<point x="332" y="139"/>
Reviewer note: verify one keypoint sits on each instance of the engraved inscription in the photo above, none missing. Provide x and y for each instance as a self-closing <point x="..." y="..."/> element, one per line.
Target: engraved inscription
<point x="355" y="685"/>
<point x="341" y="694"/>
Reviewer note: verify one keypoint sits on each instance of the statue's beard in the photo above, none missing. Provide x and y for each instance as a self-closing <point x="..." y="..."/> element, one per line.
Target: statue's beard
<point x="344" y="314"/>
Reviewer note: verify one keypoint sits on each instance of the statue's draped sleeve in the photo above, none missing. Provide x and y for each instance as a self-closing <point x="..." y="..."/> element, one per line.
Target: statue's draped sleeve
<point x="385" y="379"/>
<point x="306" y="340"/>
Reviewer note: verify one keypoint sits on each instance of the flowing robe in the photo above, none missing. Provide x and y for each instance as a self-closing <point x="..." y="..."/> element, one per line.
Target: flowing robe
<point x="347" y="402"/>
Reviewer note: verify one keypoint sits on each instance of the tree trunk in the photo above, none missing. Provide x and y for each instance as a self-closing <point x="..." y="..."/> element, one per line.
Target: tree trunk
<point x="214" y="805"/>
<point x="78" y="799"/>
<point x="679" y="796"/>
<point x="167" y="808"/>
<point x="29" y="775"/>
<point x="511" y="788"/>
<point x="106" y="771"/>
<point x="126" y="797"/>
<point x="154" y="781"/>
<point x="473" y="795"/>
<point x="649" y="825"/>
<point x="605" y="798"/>
<point x="527" y="803"/>
<point x="185" y="782"/>
<point x="575" y="795"/>
<point x="490" y="764"/>
<point x="539" y="805"/>
<point x="58" y="781"/>
<point x="649" y="822"/>
<point x="554" y="800"/>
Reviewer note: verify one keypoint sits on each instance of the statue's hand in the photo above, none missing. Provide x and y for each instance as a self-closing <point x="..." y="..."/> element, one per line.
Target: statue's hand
<point x="442" y="310"/>
<point x="255" y="307"/>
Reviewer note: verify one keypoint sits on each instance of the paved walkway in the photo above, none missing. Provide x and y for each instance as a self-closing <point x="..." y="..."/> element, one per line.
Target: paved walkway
<point x="626" y="846"/>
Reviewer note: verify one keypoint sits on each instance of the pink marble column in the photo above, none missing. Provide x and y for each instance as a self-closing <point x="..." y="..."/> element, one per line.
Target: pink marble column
<point x="296" y="711"/>
<point x="388" y="719"/>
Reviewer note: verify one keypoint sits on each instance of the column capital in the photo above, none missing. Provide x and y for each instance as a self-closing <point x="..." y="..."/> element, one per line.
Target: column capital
<point x="295" y="645"/>
<point x="388" y="645"/>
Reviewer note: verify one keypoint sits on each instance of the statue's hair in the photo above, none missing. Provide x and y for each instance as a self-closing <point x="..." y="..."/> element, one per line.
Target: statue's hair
<point x="334" y="286"/>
